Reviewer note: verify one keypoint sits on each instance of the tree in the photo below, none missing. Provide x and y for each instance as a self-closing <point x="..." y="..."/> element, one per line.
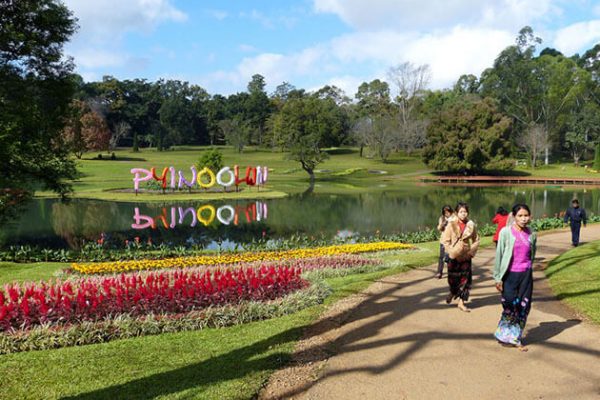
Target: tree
<point x="597" y="157"/>
<point x="373" y="104"/>
<point x="85" y="130"/>
<point x="373" y="98"/>
<point x="299" y="128"/>
<point x="360" y="133"/>
<point x="121" y="130"/>
<point x="577" y="145"/>
<point x="466" y="84"/>
<point x="36" y="87"/>
<point x="282" y="92"/>
<point x="378" y="134"/>
<point x="236" y="132"/>
<point x="258" y="107"/>
<point x="72" y="137"/>
<point x="469" y="135"/>
<point x="95" y="132"/>
<point x="534" y="140"/>
<point x="410" y="82"/>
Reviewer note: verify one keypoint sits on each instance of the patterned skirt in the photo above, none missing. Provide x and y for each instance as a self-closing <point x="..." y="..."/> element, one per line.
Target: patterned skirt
<point x="516" y="304"/>
<point x="460" y="278"/>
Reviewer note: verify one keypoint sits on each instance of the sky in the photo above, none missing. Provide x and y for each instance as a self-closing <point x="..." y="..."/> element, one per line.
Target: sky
<point x="220" y="44"/>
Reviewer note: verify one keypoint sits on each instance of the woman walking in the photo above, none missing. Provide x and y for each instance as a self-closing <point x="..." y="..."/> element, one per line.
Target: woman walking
<point x="513" y="275"/>
<point x="447" y="213"/>
<point x="461" y="241"/>
<point x="500" y="220"/>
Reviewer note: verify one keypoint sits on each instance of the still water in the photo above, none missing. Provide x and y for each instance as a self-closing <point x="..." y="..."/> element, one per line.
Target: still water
<point x="50" y="223"/>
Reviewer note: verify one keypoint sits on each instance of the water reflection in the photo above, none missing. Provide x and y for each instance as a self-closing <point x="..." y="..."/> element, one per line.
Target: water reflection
<point x="205" y="214"/>
<point x="50" y="223"/>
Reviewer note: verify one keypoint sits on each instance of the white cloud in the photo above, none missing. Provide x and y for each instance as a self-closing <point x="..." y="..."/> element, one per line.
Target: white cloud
<point x="94" y="58"/>
<point x="347" y="83"/>
<point x="102" y="24"/>
<point x="343" y="60"/>
<point x="436" y="14"/>
<point x="462" y="51"/>
<point x="105" y="20"/>
<point x="574" y="37"/>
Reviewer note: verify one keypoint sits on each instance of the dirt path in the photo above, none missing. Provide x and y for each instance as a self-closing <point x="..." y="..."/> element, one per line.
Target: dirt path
<point x="399" y="340"/>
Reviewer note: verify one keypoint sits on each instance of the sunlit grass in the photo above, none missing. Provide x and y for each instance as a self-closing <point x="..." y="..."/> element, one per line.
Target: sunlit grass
<point x="575" y="278"/>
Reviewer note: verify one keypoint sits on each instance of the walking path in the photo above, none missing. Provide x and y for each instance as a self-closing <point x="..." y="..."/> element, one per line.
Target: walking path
<point x="401" y="341"/>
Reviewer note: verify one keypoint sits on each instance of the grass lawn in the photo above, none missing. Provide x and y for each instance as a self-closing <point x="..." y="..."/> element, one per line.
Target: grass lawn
<point x="575" y="278"/>
<point x="344" y="172"/>
<point x="22" y="272"/>
<point x="227" y="363"/>
<point x="560" y="170"/>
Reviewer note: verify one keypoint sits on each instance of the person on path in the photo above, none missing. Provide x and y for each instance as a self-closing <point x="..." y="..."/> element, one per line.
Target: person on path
<point x="514" y="277"/>
<point x="461" y="242"/>
<point x="574" y="216"/>
<point x="447" y="214"/>
<point x="500" y="220"/>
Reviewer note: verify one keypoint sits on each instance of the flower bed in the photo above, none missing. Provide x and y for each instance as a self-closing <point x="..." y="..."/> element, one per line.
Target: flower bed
<point x="124" y="326"/>
<point x="342" y="261"/>
<point x="94" y="299"/>
<point x="234" y="258"/>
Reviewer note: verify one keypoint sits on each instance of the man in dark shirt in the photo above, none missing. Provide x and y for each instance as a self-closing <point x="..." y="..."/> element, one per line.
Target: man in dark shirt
<point x="575" y="215"/>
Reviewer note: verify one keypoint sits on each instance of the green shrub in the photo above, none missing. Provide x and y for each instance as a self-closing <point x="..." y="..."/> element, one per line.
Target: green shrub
<point x="212" y="158"/>
<point x="597" y="157"/>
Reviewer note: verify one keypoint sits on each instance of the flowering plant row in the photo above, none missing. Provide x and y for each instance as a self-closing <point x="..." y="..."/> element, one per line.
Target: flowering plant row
<point x="234" y="258"/>
<point x="94" y="299"/>
<point x="125" y="326"/>
<point x="343" y="261"/>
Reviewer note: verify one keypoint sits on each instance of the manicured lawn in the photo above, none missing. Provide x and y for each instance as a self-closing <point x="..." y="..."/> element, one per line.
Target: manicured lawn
<point x="561" y="170"/>
<point x="21" y="272"/>
<point x="213" y="364"/>
<point x="344" y="172"/>
<point x="575" y="278"/>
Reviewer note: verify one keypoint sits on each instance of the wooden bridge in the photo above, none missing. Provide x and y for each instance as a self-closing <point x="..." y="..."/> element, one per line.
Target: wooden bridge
<point x="504" y="180"/>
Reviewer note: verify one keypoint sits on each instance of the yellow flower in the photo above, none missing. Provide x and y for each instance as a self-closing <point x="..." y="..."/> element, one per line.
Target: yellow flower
<point x="233" y="258"/>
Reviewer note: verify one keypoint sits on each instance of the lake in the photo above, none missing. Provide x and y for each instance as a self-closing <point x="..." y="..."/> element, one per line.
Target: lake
<point x="50" y="223"/>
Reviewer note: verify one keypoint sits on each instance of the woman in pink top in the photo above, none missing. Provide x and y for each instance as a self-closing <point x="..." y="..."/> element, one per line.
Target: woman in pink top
<point x="513" y="275"/>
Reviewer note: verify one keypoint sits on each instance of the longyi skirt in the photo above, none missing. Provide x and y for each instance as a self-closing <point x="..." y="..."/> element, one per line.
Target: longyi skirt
<point x="516" y="304"/>
<point x="460" y="278"/>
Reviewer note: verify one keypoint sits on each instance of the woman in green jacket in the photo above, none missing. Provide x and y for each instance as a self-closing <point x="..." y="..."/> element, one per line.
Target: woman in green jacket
<point x="513" y="275"/>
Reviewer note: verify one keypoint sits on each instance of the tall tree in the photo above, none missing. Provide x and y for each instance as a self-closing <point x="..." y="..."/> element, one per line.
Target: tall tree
<point x="410" y="82"/>
<point x="36" y="87"/>
<point x="299" y="128"/>
<point x="534" y="140"/>
<point x="512" y="81"/>
<point x="236" y="132"/>
<point x="258" y="107"/>
<point x="86" y="130"/>
<point x="470" y="135"/>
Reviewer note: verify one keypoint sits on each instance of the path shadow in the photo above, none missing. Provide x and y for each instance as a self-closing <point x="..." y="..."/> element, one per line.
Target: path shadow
<point x="547" y="330"/>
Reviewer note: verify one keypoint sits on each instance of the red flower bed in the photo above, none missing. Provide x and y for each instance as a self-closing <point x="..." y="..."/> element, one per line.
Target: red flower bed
<point x="92" y="299"/>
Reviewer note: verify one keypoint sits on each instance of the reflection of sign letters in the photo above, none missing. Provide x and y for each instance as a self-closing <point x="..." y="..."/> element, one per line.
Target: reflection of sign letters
<point x="206" y="214"/>
<point x="205" y="178"/>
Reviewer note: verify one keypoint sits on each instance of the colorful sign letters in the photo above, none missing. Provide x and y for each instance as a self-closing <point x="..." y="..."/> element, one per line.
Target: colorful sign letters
<point x="205" y="178"/>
